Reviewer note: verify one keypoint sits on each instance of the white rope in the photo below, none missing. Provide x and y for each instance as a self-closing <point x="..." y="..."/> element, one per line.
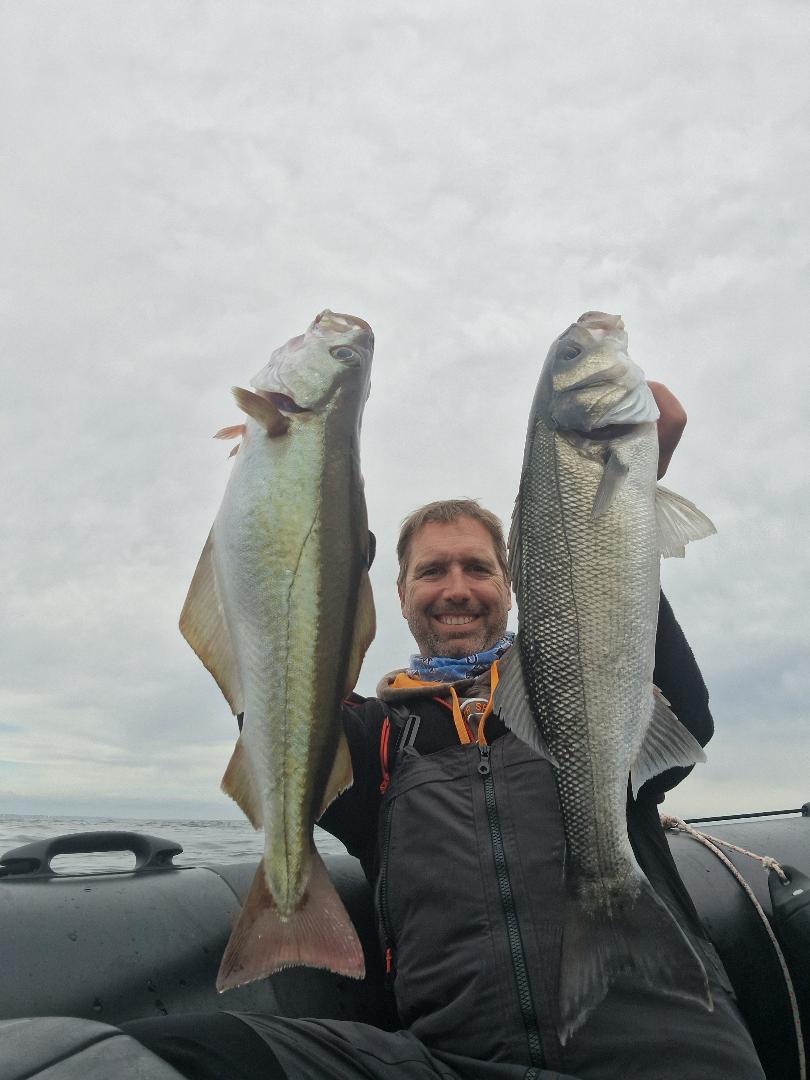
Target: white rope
<point x="712" y="842"/>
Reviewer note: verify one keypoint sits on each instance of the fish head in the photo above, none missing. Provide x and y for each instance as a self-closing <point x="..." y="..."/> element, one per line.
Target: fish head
<point x="590" y="383"/>
<point x="315" y="369"/>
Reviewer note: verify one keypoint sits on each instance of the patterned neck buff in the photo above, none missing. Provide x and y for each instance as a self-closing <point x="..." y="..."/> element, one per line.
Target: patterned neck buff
<point x="450" y="668"/>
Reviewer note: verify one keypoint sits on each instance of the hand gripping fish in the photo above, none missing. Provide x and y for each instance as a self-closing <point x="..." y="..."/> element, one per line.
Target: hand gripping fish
<point x="280" y="611"/>
<point x="587" y="534"/>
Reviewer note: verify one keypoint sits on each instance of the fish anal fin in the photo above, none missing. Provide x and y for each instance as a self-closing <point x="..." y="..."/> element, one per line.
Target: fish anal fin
<point x="511" y="701"/>
<point x="632" y="936"/>
<point x="203" y="625"/>
<point x="613" y="476"/>
<point x="320" y="934"/>
<point x="679" y="521"/>
<point x="667" y="744"/>
<point x="365" y="626"/>
<point x="262" y="410"/>
<point x="341" y="777"/>
<point x="239" y="784"/>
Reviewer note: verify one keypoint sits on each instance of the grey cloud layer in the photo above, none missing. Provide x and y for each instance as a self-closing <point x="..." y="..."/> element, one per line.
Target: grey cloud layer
<point x="188" y="186"/>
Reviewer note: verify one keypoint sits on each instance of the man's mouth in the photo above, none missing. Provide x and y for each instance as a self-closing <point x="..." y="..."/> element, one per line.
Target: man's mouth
<point x="455" y="620"/>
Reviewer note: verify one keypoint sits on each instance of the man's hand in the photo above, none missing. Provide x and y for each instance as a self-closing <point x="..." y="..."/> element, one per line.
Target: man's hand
<point x="671" y="423"/>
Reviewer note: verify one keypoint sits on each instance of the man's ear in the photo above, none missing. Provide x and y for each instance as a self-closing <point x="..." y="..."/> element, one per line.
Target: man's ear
<point x="401" y="594"/>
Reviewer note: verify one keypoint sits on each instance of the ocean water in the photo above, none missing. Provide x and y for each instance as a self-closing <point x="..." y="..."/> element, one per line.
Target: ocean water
<point x="203" y="841"/>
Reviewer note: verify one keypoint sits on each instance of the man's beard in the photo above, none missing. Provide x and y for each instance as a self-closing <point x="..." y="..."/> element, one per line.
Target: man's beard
<point x="432" y="643"/>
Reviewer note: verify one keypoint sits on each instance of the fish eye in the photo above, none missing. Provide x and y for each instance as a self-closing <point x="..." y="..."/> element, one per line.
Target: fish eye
<point x="569" y="351"/>
<point x="343" y="352"/>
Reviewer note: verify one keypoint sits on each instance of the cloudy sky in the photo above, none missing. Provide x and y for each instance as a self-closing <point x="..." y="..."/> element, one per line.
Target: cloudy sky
<point x="187" y="184"/>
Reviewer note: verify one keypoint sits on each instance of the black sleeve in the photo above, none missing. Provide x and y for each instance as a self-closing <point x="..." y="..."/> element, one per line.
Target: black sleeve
<point x="352" y="817"/>
<point x="678" y="678"/>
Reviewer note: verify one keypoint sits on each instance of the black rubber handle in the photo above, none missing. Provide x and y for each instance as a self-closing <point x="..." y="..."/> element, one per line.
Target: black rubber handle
<point x="34" y="860"/>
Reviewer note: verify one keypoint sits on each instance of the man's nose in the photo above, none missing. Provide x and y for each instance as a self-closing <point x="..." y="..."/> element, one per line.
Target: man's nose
<point x="456" y="585"/>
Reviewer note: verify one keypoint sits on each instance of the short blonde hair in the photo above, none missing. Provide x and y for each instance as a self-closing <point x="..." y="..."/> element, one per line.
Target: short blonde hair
<point x="446" y="511"/>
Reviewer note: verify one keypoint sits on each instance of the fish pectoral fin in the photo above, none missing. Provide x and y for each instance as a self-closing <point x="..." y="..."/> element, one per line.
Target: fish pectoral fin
<point x="203" y="625"/>
<point x="511" y="701"/>
<point x="679" y="521"/>
<point x="667" y="744"/>
<point x="365" y="627"/>
<point x="614" y="475"/>
<point x="232" y="432"/>
<point x="239" y="784"/>
<point x="340" y="778"/>
<point x="320" y="934"/>
<point x="262" y="410"/>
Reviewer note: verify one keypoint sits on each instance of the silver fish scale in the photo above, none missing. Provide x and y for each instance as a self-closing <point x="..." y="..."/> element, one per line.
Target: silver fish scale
<point x="588" y="601"/>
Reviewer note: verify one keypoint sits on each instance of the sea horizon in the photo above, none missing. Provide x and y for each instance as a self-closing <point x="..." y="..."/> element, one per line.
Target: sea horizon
<point x="204" y="840"/>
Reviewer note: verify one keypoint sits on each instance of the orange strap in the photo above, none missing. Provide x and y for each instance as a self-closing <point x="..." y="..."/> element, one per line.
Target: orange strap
<point x="458" y="719"/>
<point x="493" y="674"/>
<point x="403" y="681"/>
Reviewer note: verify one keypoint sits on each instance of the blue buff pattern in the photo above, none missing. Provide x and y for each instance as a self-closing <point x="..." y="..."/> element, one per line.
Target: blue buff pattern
<point x="451" y="668"/>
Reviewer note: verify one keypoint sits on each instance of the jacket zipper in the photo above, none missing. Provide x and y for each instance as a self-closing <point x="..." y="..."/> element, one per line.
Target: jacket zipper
<point x="382" y="897"/>
<point x="507" y="900"/>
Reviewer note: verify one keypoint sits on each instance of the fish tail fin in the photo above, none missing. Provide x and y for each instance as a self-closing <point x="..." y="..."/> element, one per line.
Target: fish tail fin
<point x="319" y="934"/>
<point x="634" y="936"/>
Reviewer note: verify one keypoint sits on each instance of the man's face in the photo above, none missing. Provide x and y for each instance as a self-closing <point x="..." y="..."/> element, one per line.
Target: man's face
<point x="455" y="597"/>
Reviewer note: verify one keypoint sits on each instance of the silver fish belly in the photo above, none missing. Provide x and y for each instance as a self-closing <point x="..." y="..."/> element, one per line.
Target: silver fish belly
<point x="584" y="552"/>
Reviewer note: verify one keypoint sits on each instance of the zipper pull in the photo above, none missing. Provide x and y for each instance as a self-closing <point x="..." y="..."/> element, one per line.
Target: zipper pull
<point x="390" y="971"/>
<point x="483" y="765"/>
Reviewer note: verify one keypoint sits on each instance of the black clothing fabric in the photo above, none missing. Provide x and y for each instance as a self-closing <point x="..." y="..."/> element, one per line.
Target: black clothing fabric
<point x="208" y="1046"/>
<point x="464" y="849"/>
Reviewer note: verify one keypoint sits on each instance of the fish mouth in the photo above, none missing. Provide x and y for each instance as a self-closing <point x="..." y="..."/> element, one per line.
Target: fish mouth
<point x="283" y="402"/>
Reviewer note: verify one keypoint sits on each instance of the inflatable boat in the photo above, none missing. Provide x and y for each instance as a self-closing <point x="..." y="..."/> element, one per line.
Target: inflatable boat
<point x="82" y="953"/>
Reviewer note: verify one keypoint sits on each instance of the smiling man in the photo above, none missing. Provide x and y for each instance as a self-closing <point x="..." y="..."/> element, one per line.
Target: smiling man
<point x="453" y="580"/>
<point x="458" y="828"/>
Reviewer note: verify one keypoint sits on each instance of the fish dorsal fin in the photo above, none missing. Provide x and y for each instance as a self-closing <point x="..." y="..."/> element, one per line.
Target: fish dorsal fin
<point x="365" y="627"/>
<point x="514" y="543"/>
<point x="679" y="521"/>
<point x="239" y="784"/>
<point x="613" y="476"/>
<point x="203" y="625"/>
<point x="667" y="744"/>
<point x="341" y="776"/>
<point x="511" y="700"/>
<point x="262" y="410"/>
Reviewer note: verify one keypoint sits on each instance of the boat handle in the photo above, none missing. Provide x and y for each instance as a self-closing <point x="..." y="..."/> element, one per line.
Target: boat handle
<point x="34" y="860"/>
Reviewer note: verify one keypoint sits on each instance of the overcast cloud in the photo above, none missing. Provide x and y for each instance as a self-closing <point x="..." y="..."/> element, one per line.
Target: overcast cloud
<point x="187" y="184"/>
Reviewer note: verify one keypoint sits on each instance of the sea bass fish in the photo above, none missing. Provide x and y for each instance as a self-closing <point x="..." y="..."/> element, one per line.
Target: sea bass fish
<point x="588" y="530"/>
<point x="280" y="611"/>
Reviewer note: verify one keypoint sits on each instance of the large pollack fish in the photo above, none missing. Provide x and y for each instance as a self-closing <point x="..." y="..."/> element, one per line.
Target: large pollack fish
<point x="589" y="527"/>
<point x="281" y="613"/>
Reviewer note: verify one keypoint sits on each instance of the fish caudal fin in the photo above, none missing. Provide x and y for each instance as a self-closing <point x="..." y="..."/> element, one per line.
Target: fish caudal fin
<point x="320" y="934"/>
<point x="637" y="939"/>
